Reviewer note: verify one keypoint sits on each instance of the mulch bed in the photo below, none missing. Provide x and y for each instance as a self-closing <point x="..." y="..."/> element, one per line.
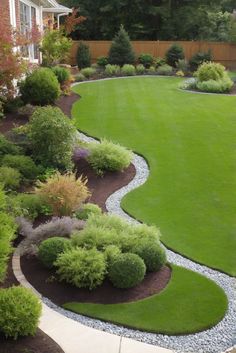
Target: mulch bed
<point x="12" y="120"/>
<point x="45" y="282"/>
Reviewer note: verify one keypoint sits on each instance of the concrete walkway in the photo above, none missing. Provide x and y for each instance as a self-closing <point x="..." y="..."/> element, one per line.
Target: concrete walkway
<point x="73" y="337"/>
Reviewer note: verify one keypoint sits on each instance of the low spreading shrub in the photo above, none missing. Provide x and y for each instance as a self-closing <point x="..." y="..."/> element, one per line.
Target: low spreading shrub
<point x="83" y="56"/>
<point x="112" y="70"/>
<point x="86" y="210"/>
<point x="24" y="164"/>
<point x="80" y="77"/>
<point x="52" y="137"/>
<point x="153" y="255"/>
<point x="62" y="74"/>
<point x="174" y="54"/>
<point x="20" y="310"/>
<point x="107" y="156"/>
<point x="190" y="83"/>
<point x="146" y="60"/>
<point x="31" y="205"/>
<point x="128" y="70"/>
<point x="102" y="61"/>
<point x="221" y="86"/>
<point x="126" y="270"/>
<point x="40" y="87"/>
<point x="63" y="193"/>
<point x="82" y="268"/>
<point x="152" y="70"/>
<point x="50" y="249"/>
<point x="165" y="70"/>
<point x="88" y="72"/>
<point x="111" y="252"/>
<point x="10" y="178"/>
<point x="210" y="71"/>
<point x="7" y="147"/>
<point x="199" y="58"/>
<point x="140" y="69"/>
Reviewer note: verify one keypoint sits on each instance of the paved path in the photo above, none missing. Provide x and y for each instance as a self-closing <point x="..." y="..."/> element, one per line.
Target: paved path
<point x="73" y="337"/>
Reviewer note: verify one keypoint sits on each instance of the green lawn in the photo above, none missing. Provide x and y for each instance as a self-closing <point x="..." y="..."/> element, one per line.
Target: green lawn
<point x="189" y="141"/>
<point x="190" y="303"/>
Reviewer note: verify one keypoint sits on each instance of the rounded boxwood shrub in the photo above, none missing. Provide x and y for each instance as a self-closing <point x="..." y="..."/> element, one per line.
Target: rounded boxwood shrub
<point x="10" y="178"/>
<point x="82" y="268"/>
<point x="164" y="70"/>
<point x="107" y="156"/>
<point x="153" y="255"/>
<point x="140" y="69"/>
<point x="174" y="54"/>
<point x="86" y="210"/>
<point x="50" y="248"/>
<point x="41" y="87"/>
<point x="20" y="310"/>
<point x="88" y="72"/>
<point x="128" y="70"/>
<point x="210" y="71"/>
<point x="24" y="164"/>
<point x="127" y="270"/>
<point x="62" y="74"/>
<point x="112" y="70"/>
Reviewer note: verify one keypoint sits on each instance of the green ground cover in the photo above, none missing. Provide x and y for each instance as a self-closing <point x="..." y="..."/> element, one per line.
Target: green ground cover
<point x="189" y="142"/>
<point x="183" y="307"/>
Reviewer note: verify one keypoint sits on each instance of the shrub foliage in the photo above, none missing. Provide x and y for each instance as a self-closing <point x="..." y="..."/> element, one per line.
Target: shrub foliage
<point x="174" y="54"/>
<point x="121" y="51"/>
<point x="50" y="249"/>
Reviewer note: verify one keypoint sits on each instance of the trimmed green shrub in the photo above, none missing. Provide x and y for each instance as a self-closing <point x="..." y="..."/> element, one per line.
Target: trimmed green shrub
<point x="107" y="156"/>
<point x="7" y="147"/>
<point x="83" y="56"/>
<point x="152" y="70"/>
<point x="10" y="178"/>
<point x="210" y="71"/>
<point x="112" y="70"/>
<point x="80" y="77"/>
<point x="102" y="61"/>
<point x="111" y="252"/>
<point x="121" y="51"/>
<point x="51" y="248"/>
<point x="126" y="270"/>
<point x="7" y="234"/>
<point x="199" y="58"/>
<point x="52" y="136"/>
<point x="221" y="86"/>
<point x="146" y="59"/>
<point x="82" y="268"/>
<point x="20" y="310"/>
<point x="31" y="205"/>
<point x="174" y="54"/>
<point x="164" y="70"/>
<point x="140" y="69"/>
<point x="62" y="74"/>
<point x="24" y="164"/>
<point x="128" y="70"/>
<point x="41" y="87"/>
<point x="153" y="255"/>
<point x="88" y="72"/>
<point x="86" y="210"/>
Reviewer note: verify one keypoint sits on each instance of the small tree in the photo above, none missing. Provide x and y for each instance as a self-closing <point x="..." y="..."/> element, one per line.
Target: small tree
<point x="83" y="56"/>
<point x="55" y="47"/>
<point x="121" y="51"/>
<point x="174" y="54"/>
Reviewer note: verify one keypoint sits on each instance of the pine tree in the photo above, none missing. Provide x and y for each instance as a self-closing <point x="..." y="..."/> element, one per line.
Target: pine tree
<point x="83" y="56"/>
<point x="121" y="51"/>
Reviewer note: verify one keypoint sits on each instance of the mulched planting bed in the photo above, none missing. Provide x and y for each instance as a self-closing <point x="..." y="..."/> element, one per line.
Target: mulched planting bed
<point x="12" y="120"/>
<point x="45" y="282"/>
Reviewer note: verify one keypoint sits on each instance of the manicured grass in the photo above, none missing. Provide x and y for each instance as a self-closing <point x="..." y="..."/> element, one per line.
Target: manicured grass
<point x="190" y="303"/>
<point x="189" y="141"/>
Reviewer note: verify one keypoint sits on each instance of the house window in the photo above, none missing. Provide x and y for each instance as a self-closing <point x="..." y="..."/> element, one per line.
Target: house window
<point x="27" y="19"/>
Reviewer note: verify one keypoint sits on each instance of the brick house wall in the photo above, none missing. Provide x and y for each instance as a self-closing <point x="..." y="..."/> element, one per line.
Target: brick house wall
<point x="5" y="11"/>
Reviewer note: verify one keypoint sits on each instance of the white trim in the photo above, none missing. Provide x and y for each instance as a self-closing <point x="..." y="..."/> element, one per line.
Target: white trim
<point x="12" y="10"/>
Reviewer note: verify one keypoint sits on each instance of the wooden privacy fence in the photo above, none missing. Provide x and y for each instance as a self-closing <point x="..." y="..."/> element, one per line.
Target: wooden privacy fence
<point x="224" y="53"/>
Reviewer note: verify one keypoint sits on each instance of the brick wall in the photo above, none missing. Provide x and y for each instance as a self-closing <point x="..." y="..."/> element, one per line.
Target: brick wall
<point x="5" y="12"/>
<point x="17" y="7"/>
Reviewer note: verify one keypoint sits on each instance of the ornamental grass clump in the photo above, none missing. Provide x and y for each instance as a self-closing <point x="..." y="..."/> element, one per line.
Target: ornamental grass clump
<point x="107" y="156"/>
<point x="20" y="310"/>
<point x="82" y="268"/>
<point x="63" y="193"/>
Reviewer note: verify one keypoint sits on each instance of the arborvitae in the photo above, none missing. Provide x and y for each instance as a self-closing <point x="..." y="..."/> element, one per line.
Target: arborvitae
<point x="83" y="56"/>
<point x="121" y="51"/>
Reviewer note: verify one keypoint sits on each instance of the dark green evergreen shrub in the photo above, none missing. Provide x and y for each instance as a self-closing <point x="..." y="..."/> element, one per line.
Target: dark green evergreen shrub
<point x="20" y="310"/>
<point x="41" y="87"/>
<point x="24" y="164"/>
<point x="7" y="147"/>
<point x="61" y="73"/>
<point x="50" y="248"/>
<point x="83" y="56"/>
<point x="199" y="58"/>
<point x="82" y="268"/>
<point x="153" y="255"/>
<point x="174" y="54"/>
<point x="146" y="59"/>
<point x="121" y="51"/>
<point x="126" y="271"/>
<point x="30" y="205"/>
<point x="102" y="61"/>
<point x="52" y="137"/>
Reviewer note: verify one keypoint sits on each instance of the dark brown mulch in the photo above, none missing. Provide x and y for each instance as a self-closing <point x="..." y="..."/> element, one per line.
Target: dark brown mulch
<point x="102" y="187"/>
<point x="45" y="282"/>
<point x="65" y="103"/>
<point x="12" y="120"/>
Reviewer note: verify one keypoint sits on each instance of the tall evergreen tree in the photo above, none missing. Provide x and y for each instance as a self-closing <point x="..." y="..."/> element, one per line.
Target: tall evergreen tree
<point x="121" y="51"/>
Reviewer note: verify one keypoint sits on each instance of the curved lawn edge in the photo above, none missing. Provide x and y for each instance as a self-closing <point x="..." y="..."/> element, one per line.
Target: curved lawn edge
<point x="190" y="303"/>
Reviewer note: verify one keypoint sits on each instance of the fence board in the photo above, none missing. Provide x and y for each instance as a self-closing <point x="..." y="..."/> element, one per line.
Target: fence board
<point x="224" y="53"/>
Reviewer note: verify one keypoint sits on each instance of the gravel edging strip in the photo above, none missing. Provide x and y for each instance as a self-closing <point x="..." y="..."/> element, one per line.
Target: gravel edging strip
<point x="215" y="340"/>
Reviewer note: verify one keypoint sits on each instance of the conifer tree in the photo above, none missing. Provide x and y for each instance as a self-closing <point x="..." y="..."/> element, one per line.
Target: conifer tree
<point x="121" y="51"/>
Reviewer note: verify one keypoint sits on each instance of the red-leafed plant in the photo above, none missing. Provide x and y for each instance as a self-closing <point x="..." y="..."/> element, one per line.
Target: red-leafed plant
<point x="72" y="21"/>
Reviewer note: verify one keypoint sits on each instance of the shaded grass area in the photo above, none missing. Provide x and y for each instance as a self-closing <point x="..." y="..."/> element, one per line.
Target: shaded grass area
<point x="190" y="303"/>
<point x="189" y="142"/>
